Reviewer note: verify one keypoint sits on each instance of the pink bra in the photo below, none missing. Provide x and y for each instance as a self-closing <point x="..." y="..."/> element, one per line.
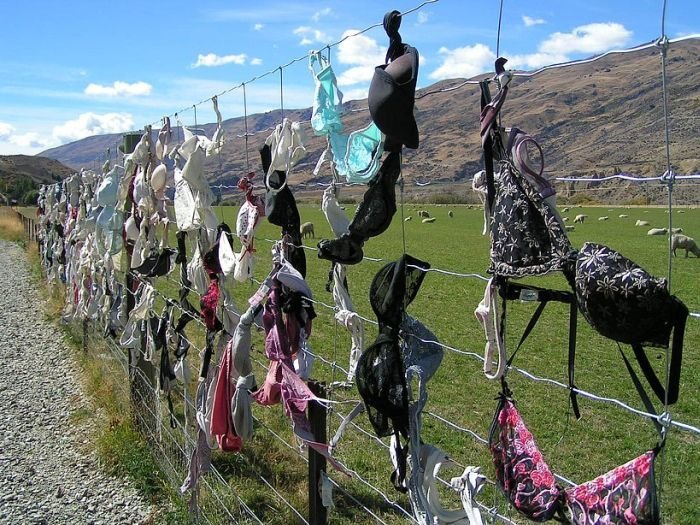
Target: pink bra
<point x="626" y="495"/>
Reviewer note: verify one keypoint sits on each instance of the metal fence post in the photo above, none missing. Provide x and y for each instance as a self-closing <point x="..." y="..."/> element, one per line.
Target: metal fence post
<point x="318" y="514"/>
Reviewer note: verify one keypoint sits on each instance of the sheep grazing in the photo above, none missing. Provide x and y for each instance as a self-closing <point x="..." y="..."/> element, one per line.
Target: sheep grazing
<point x="428" y="219"/>
<point x="641" y="223"/>
<point x="564" y="210"/>
<point x="676" y="230"/>
<point x="570" y="227"/>
<point x="603" y="218"/>
<point x="684" y="243"/>
<point x="307" y="230"/>
<point x="658" y="231"/>
<point x="423" y="213"/>
<point x="450" y="214"/>
<point x="409" y="218"/>
<point x="623" y="216"/>
<point x="565" y="219"/>
<point x="580" y="218"/>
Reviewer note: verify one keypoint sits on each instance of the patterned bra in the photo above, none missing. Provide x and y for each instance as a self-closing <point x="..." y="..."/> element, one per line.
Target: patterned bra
<point x="626" y="495"/>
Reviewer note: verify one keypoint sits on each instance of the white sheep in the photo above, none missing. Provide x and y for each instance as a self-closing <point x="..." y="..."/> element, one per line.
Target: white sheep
<point x="409" y="218"/>
<point x="565" y="219"/>
<point x="307" y="230"/>
<point x="623" y="216"/>
<point x="570" y="227"/>
<point x="428" y="219"/>
<point x="684" y="243"/>
<point x="603" y="218"/>
<point x="450" y="214"/>
<point x="580" y="218"/>
<point x="641" y="223"/>
<point x="658" y="231"/>
<point x="676" y="230"/>
<point x="423" y="213"/>
<point x="564" y="210"/>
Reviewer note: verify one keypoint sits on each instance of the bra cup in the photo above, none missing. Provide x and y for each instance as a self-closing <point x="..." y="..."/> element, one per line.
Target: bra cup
<point x="521" y="471"/>
<point x="391" y="102"/>
<point x="356" y="155"/>
<point x="626" y="491"/>
<point x="364" y="152"/>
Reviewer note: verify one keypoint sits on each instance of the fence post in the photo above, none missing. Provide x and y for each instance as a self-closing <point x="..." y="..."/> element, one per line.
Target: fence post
<point x="318" y="514"/>
<point x="85" y="335"/>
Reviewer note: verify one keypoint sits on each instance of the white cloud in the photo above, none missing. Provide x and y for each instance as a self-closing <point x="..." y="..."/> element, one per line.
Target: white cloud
<point x="590" y="38"/>
<point x="362" y="53"/>
<point x="355" y="94"/>
<point x="214" y="60"/>
<point x="469" y="61"/>
<point x="534" y="60"/>
<point x="28" y="140"/>
<point x="355" y="75"/>
<point x="360" y="50"/>
<point x="422" y="18"/>
<point x="88" y="124"/>
<point x="464" y="62"/>
<point x="309" y="35"/>
<point x="20" y="142"/>
<point x="529" y="21"/>
<point x="255" y="61"/>
<point x="6" y="130"/>
<point x="119" y="89"/>
<point x="319" y="14"/>
<point x="258" y="27"/>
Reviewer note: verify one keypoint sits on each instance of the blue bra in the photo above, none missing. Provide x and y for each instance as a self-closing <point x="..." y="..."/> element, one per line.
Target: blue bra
<point x="357" y="155"/>
<point x="328" y="99"/>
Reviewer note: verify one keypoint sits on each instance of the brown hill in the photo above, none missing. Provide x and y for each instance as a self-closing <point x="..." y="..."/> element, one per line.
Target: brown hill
<point x="20" y="174"/>
<point x="592" y="119"/>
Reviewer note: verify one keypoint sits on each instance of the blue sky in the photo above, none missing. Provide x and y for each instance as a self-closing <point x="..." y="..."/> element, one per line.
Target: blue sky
<point x="77" y="68"/>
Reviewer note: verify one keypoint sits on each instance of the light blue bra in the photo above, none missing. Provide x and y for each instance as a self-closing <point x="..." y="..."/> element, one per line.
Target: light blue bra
<point x="328" y="99"/>
<point x="356" y="156"/>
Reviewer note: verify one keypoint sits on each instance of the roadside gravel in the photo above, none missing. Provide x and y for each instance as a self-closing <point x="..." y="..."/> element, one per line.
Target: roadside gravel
<point x="47" y="473"/>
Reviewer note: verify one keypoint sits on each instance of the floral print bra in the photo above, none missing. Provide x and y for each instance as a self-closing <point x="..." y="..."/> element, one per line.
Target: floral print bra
<point x="626" y="495"/>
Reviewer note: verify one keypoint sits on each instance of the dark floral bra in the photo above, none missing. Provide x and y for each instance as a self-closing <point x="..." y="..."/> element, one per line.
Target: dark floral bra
<point x="626" y="495"/>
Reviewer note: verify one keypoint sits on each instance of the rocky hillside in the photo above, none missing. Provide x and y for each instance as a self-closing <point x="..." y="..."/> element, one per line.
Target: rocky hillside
<point x="591" y="119"/>
<point x="20" y="174"/>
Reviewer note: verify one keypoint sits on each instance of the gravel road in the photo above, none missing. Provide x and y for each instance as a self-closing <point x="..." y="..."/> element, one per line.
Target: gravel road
<point x="47" y="473"/>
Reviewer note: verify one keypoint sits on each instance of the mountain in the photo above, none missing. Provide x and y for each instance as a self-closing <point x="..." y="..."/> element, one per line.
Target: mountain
<point x="20" y="174"/>
<point x="591" y="119"/>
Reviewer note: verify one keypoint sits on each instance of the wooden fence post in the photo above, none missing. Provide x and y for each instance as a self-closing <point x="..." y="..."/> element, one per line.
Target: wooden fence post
<point x="318" y="513"/>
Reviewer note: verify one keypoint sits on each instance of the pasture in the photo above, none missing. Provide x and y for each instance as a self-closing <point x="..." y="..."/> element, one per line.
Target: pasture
<point x="605" y="437"/>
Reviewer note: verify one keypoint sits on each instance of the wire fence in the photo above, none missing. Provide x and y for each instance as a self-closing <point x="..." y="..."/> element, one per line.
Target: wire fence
<point x="216" y="500"/>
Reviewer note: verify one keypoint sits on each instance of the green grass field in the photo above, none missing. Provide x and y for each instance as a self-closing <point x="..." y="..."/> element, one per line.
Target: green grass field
<point x="605" y="437"/>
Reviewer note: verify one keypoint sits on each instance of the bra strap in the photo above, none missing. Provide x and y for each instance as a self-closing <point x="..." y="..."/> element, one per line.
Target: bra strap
<point x="642" y="393"/>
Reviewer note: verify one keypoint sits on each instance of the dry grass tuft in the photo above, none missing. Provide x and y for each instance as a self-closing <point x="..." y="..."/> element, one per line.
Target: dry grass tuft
<point x="11" y="228"/>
